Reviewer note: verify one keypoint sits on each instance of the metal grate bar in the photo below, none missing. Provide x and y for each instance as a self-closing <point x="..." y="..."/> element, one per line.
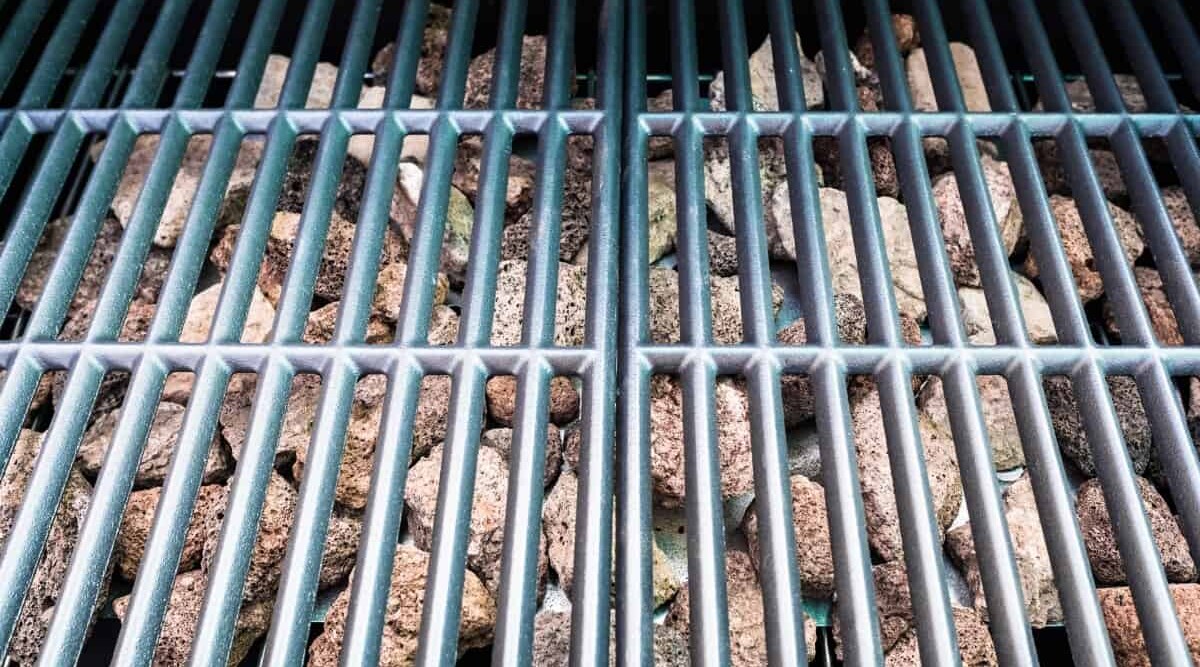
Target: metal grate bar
<point x="1182" y="35"/>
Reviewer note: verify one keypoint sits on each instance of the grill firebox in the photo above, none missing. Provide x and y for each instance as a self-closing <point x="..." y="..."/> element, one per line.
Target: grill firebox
<point x="345" y="178"/>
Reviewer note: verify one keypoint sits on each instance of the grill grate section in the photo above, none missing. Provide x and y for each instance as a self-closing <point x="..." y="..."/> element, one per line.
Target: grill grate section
<point x="79" y="111"/>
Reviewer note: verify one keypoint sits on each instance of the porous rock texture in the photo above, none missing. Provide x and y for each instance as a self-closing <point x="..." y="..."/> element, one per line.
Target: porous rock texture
<point x="904" y="29"/>
<point x="799" y="405"/>
<point x="953" y="215"/>
<point x="501" y="439"/>
<point x="764" y="94"/>
<point x="1042" y="605"/>
<point x="138" y="520"/>
<point x="1096" y="527"/>
<point x="970" y="79"/>
<point x="814" y="551"/>
<point x="459" y="220"/>
<point x="552" y="642"/>
<point x="1125" y="629"/>
<point x="1054" y="173"/>
<point x="402" y="622"/>
<point x="518" y="192"/>
<point x="977" y="319"/>
<point x="569" y="309"/>
<point x="1069" y="423"/>
<point x="725" y="305"/>
<point x="166" y="426"/>
<point x="501" y="396"/>
<point x="722" y="254"/>
<point x="747" y="621"/>
<point x="530" y="81"/>
<point x="489" y="504"/>
<point x="433" y="49"/>
<point x="667" y="439"/>
<point x="1184" y="220"/>
<point x="274" y="529"/>
<point x="51" y="572"/>
<point x="1078" y="249"/>
<point x="998" y="416"/>
<point x="874" y="469"/>
<point x="974" y="643"/>
<point x="1158" y="308"/>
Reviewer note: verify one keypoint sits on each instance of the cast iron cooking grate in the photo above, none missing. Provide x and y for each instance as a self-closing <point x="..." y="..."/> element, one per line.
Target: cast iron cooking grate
<point x="709" y="294"/>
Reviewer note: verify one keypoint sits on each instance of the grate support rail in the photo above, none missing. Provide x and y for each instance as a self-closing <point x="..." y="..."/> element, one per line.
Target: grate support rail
<point x="614" y="530"/>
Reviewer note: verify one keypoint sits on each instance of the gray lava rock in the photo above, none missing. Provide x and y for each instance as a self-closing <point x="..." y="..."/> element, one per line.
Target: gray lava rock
<point x="874" y="469"/>
<point x="955" y="230"/>
<point x="501" y="439"/>
<point x="402" y="623"/>
<point x="488" y="507"/>
<point x="1158" y="308"/>
<point x="163" y="436"/>
<point x="970" y="79"/>
<point x="814" y="552"/>
<point x="747" y="622"/>
<point x="138" y="520"/>
<point x="1068" y="422"/>
<point x="762" y="81"/>
<point x="998" y="416"/>
<point x="1079" y="250"/>
<point x="569" y="308"/>
<point x="1125" y="629"/>
<point x="722" y="254"/>
<point x="183" y="614"/>
<point x="667" y="443"/>
<point x="977" y="320"/>
<point x="501" y="395"/>
<point x="718" y="192"/>
<point x="1029" y="551"/>
<point x="725" y="302"/>
<point x="45" y="586"/>
<point x="1054" y="174"/>
<point x="1096" y="527"/>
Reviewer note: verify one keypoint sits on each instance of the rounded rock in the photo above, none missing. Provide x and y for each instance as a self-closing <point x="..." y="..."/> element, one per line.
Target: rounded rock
<point x="1096" y="528"/>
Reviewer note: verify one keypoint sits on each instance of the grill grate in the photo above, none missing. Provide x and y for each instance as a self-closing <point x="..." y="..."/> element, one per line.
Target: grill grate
<point x="76" y="88"/>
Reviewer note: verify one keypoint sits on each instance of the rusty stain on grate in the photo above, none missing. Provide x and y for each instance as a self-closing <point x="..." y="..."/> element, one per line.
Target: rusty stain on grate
<point x="73" y="142"/>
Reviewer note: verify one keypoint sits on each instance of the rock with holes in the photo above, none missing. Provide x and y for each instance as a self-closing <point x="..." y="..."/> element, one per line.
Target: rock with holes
<point x="530" y="79"/>
<point x="1032" y="559"/>
<point x="902" y="258"/>
<point x="799" y="405"/>
<point x="1069" y="422"/>
<point x="998" y="416"/>
<point x="814" y="552"/>
<point x="321" y="326"/>
<point x="552" y="641"/>
<point x="874" y="469"/>
<point x="489" y="504"/>
<point x="1158" y="308"/>
<point x="138" y="520"/>
<point x="904" y="29"/>
<point x="458" y="221"/>
<point x="1080" y="96"/>
<point x="1054" y="174"/>
<point x="182" y="615"/>
<point x="274" y="528"/>
<point x="501" y="439"/>
<point x="402" y="621"/>
<point x="1078" y="249"/>
<point x="294" y="192"/>
<point x="197" y="327"/>
<point x="1184" y="220"/>
<point x="1095" y="525"/>
<point x="433" y="50"/>
<point x="977" y="320"/>
<point x="166" y="427"/>
<point x="725" y="304"/>
<point x="970" y="79"/>
<point x="894" y="603"/>
<point x="718" y="191"/>
<point x="763" y="91"/>
<point x="722" y="254"/>
<point x="953" y="215"/>
<point x="974" y="643"/>
<point x="668" y="443"/>
<point x="569" y="308"/>
<point x="389" y="292"/>
<point x="63" y="534"/>
<point x="574" y="221"/>
<point x="518" y="191"/>
<point x="501" y="395"/>
<point x="747" y="621"/>
<point x="1125" y="628"/>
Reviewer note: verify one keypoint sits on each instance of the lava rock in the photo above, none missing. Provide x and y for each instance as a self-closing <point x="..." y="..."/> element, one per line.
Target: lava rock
<point x="1158" y="308"/>
<point x="874" y="469"/>
<point x="161" y="440"/>
<point x="569" y="308"/>
<point x="799" y="405"/>
<point x="998" y="417"/>
<point x="904" y="28"/>
<point x="1068" y="422"/>
<point x="667" y="442"/>
<point x="501" y="440"/>
<point x="970" y="79"/>
<point x="762" y="81"/>
<point x="402" y="623"/>
<point x="47" y="580"/>
<point x="529" y="84"/>
<point x="488" y="507"/>
<point x="433" y="49"/>
<point x="974" y="643"/>
<point x="1096" y="527"/>
<point x="138" y="520"/>
<point x="953" y="215"/>
<point x="552" y="642"/>
<point x="1079" y="250"/>
<point x="1184" y="221"/>
<point x="894" y="603"/>
<point x="1080" y="96"/>
<point x="197" y="327"/>
<point x="725" y="301"/>
<point x="660" y="206"/>
<point x="1125" y="629"/>
<point x="501" y="395"/>
<point x="274" y="527"/>
<point x="1042" y="605"/>
<point x="182" y="616"/>
<point x="389" y="293"/>
<point x="977" y="320"/>
<point x="518" y="194"/>
<point x="660" y="148"/>
<point x="722" y="254"/>
<point x="718" y="192"/>
<point x="1054" y="174"/>
<point x="814" y="553"/>
<point x="459" y="220"/>
<point x="747" y="621"/>
<point x="902" y="258"/>
<point x="321" y="325"/>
